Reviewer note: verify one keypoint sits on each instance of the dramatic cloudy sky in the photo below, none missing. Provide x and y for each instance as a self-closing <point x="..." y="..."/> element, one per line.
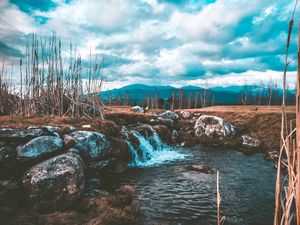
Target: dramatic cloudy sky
<point x="162" y="42"/>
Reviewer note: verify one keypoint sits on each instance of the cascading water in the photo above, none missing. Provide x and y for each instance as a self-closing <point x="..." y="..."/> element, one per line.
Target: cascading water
<point x="153" y="151"/>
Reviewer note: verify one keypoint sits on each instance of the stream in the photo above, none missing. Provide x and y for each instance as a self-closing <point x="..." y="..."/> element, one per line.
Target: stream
<point x="169" y="194"/>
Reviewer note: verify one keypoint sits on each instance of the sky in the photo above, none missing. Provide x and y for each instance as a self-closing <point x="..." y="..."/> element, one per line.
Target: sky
<point x="162" y="42"/>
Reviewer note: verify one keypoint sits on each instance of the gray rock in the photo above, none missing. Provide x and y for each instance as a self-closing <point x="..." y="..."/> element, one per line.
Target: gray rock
<point x="8" y="185"/>
<point x="167" y="122"/>
<point x="201" y="168"/>
<point x="55" y="183"/>
<point x="250" y="142"/>
<point x="73" y="150"/>
<point x="39" y="148"/>
<point x="144" y="129"/>
<point x="7" y="156"/>
<point x="169" y="115"/>
<point x="8" y="134"/>
<point x="91" y="145"/>
<point x="98" y="166"/>
<point x="137" y="109"/>
<point x="51" y="129"/>
<point x="272" y="156"/>
<point x="185" y="115"/>
<point x="69" y="141"/>
<point x="214" y="127"/>
<point x="175" y="134"/>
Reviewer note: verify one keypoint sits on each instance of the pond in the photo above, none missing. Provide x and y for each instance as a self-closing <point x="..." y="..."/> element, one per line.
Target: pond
<point x="170" y="194"/>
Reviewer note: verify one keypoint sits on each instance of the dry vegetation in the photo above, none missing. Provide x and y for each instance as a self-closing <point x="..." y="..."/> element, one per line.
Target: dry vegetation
<point x="44" y="85"/>
<point x="261" y="122"/>
<point x="117" y="209"/>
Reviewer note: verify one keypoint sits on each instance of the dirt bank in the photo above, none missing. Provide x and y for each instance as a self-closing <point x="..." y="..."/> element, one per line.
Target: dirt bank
<point x="261" y="122"/>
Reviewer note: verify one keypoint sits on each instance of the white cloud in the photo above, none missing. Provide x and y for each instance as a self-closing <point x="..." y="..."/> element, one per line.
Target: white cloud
<point x="162" y="42"/>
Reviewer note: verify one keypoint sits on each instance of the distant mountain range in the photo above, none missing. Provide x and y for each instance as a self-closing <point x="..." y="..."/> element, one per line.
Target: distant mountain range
<point x="232" y="95"/>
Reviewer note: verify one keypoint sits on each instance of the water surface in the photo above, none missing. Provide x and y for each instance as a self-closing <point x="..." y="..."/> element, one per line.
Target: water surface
<point x="170" y="194"/>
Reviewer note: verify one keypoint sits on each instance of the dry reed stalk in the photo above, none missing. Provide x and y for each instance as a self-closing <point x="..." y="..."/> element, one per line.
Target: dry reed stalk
<point x="218" y="200"/>
<point x="48" y="88"/>
<point x="287" y="196"/>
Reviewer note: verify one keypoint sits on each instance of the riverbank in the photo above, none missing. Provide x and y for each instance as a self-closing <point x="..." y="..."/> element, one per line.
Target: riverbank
<point x="260" y="122"/>
<point x="105" y="147"/>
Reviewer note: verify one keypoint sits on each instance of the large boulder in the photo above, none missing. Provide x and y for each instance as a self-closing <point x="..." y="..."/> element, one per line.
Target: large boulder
<point x="137" y="109"/>
<point x="55" y="183"/>
<point x="169" y="115"/>
<point x="91" y="145"/>
<point x="214" y="127"/>
<point x="250" y="142"/>
<point x="39" y="148"/>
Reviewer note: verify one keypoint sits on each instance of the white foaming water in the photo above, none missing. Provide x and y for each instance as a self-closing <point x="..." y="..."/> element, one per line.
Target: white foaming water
<point x="153" y="151"/>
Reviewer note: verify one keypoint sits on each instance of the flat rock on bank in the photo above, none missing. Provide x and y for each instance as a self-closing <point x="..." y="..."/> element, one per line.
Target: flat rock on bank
<point x="55" y="183"/>
<point x="250" y="142"/>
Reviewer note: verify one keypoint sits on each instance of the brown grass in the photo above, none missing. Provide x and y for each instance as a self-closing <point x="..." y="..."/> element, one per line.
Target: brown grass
<point x="259" y="122"/>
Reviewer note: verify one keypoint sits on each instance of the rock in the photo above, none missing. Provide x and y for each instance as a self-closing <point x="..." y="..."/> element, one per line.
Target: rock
<point x="214" y="127"/>
<point x="7" y="156"/>
<point x="183" y="144"/>
<point x="8" y="185"/>
<point x="201" y="168"/>
<point x="97" y="167"/>
<point x="159" y="120"/>
<point x="91" y="145"/>
<point x="197" y="114"/>
<point x="128" y="135"/>
<point x="250" y="142"/>
<point x="67" y="129"/>
<point x="117" y="166"/>
<point x="190" y="132"/>
<point x="69" y="141"/>
<point x="185" y="115"/>
<point x="51" y="129"/>
<point x="55" y="183"/>
<point x="120" y="149"/>
<point x="144" y="129"/>
<point x="175" y="134"/>
<point x="137" y="109"/>
<point x="93" y="188"/>
<point x="163" y="132"/>
<point x="73" y="150"/>
<point x="39" y="148"/>
<point x="21" y="135"/>
<point x="272" y="156"/>
<point x="169" y="115"/>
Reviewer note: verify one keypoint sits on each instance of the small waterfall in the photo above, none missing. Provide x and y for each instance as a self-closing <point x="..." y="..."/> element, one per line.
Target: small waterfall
<point x="151" y="151"/>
